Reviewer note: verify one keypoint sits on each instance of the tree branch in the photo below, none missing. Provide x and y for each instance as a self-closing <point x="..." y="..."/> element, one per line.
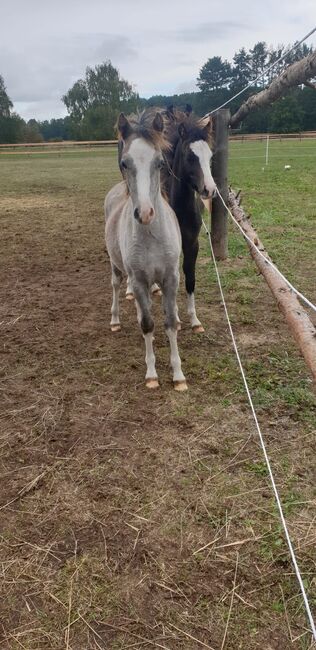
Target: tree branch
<point x="296" y="74"/>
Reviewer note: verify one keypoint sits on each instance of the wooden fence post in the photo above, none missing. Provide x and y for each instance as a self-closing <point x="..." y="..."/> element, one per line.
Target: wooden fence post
<point x="219" y="171"/>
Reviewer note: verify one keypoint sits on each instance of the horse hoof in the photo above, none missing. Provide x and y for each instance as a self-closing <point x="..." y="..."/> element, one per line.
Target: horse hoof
<point x="152" y="383"/>
<point x="178" y="326"/>
<point x="180" y="386"/>
<point x="198" y="329"/>
<point x="157" y="292"/>
<point x="115" y="328"/>
<point x="129" y="296"/>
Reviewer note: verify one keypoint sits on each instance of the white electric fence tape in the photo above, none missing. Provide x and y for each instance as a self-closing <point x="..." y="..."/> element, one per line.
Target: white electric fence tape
<point x="297" y="571"/>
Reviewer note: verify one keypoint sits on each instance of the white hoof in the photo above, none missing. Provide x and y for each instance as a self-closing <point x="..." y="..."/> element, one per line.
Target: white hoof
<point x="178" y="326"/>
<point x="129" y="296"/>
<point x="157" y="292"/>
<point x="180" y="386"/>
<point x="198" y="329"/>
<point x="152" y="383"/>
<point x="115" y="328"/>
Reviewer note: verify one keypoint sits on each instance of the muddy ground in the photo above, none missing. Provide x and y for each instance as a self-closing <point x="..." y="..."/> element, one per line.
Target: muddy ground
<point x="130" y="518"/>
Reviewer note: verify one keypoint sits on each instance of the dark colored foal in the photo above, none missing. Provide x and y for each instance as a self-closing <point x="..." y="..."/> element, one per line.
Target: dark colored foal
<point x="187" y="178"/>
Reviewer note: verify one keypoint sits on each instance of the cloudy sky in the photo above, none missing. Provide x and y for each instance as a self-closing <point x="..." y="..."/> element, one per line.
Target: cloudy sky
<point x="158" y="45"/>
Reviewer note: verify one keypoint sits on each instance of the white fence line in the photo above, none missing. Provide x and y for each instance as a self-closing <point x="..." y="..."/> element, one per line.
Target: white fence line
<point x="274" y="487"/>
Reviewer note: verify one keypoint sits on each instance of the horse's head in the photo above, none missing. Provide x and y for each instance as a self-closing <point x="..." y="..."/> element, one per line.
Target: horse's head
<point x="141" y="160"/>
<point x="195" y="142"/>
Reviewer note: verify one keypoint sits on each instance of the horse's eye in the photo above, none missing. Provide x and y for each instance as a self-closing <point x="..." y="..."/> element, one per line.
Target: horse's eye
<point x="123" y="164"/>
<point x="160" y="164"/>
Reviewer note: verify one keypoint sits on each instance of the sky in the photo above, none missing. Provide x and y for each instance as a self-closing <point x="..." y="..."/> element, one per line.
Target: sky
<point x="159" y="46"/>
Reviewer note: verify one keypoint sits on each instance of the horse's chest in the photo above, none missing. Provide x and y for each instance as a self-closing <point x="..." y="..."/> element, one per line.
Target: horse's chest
<point x="149" y="255"/>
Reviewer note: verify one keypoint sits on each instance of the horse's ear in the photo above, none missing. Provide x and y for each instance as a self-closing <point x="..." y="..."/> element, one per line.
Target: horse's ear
<point x="123" y="126"/>
<point x="158" y="122"/>
<point x="182" y="130"/>
<point x="188" y="109"/>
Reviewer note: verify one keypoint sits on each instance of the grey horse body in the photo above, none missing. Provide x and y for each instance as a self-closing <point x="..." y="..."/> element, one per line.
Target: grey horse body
<point x="151" y="252"/>
<point x="144" y="242"/>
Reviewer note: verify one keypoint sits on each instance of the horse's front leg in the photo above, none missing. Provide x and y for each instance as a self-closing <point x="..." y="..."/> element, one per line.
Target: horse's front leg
<point x="190" y="253"/>
<point x="169" y="290"/>
<point x="117" y="278"/>
<point x="142" y="300"/>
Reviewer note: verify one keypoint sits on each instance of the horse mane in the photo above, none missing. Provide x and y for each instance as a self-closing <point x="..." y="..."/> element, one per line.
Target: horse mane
<point x="142" y="127"/>
<point x="194" y="126"/>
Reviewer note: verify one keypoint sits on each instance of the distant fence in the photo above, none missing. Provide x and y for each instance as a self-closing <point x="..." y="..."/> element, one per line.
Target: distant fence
<point x="93" y="144"/>
<point x="64" y="144"/>
<point x="249" y="137"/>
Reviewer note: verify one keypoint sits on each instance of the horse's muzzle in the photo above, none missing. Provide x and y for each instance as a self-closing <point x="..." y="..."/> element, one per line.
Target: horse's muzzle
<point x="144" y="216"/>
<point x="206" y="194"/>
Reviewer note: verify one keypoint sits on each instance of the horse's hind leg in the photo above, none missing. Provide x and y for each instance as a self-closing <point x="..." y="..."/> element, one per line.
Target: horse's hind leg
<point x="155" y="290"/>
<point x="129" y="291"/>
<point x="190" y="253"/>
<point x="169" y="290"/>
<point x="142" y="301"/>
<point x="117" y="278"/>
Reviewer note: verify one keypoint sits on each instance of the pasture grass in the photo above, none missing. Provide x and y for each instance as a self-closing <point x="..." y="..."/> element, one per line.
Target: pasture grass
<point x="109" y="494"/>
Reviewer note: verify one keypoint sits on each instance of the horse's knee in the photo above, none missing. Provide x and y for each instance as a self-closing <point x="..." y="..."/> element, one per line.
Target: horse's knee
<point x="147" y="324"/>
<point x="117" y="277"/>
<point x="171" y="320"/>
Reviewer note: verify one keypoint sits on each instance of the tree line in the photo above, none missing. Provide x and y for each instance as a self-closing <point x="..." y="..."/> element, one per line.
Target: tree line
<point x="94" y="102"/>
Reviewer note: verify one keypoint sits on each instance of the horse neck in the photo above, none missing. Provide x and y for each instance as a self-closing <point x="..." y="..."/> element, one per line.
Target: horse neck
<point x="180" y="189"/>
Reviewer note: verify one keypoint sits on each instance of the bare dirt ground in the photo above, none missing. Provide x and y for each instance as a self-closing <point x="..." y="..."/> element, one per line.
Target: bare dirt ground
<point x="129" y="518"/>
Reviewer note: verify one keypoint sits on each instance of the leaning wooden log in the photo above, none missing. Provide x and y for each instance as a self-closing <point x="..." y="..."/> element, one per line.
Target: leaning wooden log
<point x="296" y="74"/>
<point x="296" y="317"/>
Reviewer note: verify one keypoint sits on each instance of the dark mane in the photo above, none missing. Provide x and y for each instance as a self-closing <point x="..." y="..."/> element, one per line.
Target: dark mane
<point x="194" y="126"/>
<point x="142" y="126"/>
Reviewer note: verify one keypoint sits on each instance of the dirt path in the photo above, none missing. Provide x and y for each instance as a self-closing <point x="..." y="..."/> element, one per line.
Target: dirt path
<point x="108" y="491"/>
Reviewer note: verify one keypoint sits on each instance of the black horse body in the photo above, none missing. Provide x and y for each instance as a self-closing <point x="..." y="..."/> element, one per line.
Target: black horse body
<point x="184" y="183"/>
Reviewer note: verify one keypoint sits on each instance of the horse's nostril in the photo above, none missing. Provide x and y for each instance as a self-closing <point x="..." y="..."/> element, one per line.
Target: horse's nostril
<point x="151" y="212"/>
<point x="136" y="213"/>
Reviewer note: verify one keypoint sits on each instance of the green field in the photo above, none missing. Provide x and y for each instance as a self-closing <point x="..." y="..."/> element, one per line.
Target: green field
<point x="132" y="519"/>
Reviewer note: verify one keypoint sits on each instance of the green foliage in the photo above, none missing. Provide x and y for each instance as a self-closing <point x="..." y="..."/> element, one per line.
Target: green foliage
<point x="307" y="100"/>
<point x="97" y="123"/>
<point x="258" y="60"/>
<point x="56" y="129"/>
<point x="5" y="101"/>
<point x="286" y="115"/>
<point x="214" y="74"/>
<point x="94" y="102"/>
<point x="241" y="71"/>
<point x="31" y="132"/>
<point x="11" y="129"/>
<point x="11" y="125"/>
<point x="219" y="80"/>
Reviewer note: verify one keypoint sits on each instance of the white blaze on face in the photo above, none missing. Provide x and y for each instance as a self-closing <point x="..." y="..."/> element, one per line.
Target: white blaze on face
<point x="201" y="149"/>
<point x="142" y="155"/>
